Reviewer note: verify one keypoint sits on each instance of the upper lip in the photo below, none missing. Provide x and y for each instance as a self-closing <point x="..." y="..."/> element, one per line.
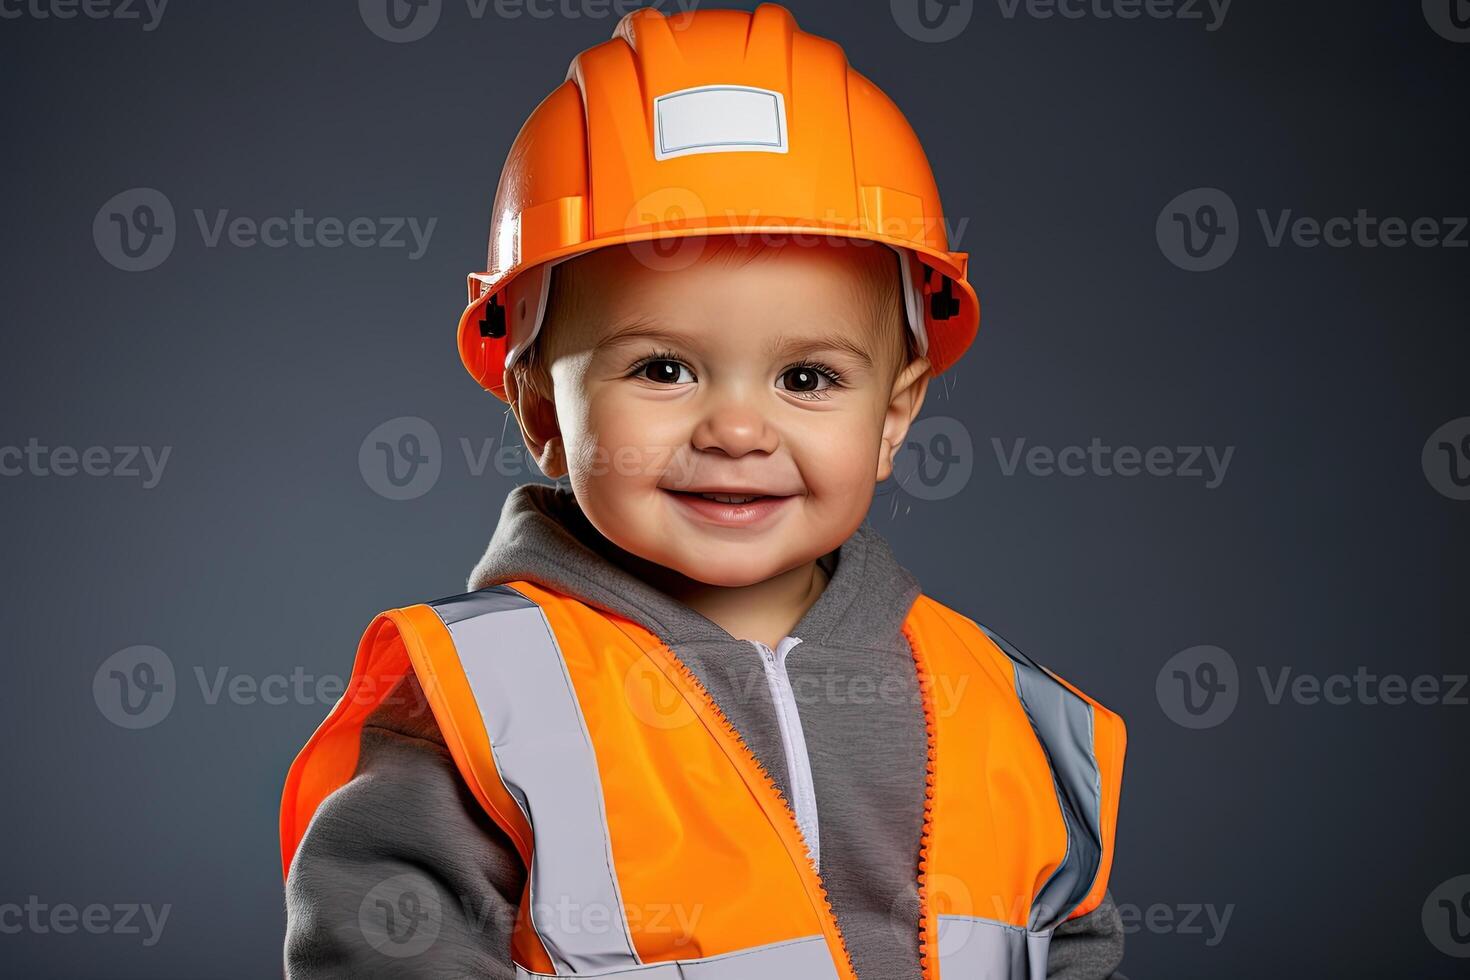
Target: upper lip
<point x="730" y="491"/>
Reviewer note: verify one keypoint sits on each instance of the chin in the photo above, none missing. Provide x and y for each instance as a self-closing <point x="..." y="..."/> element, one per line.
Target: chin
<point x="725" y="567"/>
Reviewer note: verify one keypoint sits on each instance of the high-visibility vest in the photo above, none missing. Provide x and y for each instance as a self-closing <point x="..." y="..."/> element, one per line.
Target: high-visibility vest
<point x="657" y="844"/>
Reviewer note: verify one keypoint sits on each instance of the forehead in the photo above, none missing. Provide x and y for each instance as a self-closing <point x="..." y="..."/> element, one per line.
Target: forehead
<point x="778" y="296"/>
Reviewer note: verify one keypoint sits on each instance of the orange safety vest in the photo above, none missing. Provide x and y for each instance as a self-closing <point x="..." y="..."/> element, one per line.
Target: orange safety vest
<point x="657" y="844"/>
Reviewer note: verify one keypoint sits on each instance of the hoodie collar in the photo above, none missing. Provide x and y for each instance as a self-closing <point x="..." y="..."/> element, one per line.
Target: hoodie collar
<point x="544" y="537"/>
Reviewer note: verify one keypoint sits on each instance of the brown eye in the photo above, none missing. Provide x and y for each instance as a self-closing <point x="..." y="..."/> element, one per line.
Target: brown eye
<point x="664" y="371"/>
<point x="810" y="380"/>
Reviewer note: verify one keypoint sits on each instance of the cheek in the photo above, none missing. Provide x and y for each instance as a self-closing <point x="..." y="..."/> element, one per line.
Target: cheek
<point x="625" y="439"/>
<point x="838" y="458"/>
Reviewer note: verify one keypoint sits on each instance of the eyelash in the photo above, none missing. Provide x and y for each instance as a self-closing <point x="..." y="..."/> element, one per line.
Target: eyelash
<point x="658" y="355"/>
<point x="827" y="371"/>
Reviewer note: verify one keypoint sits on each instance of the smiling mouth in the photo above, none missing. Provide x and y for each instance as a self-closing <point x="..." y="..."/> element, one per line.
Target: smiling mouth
<point x="725" y="498"/>
<point x="728" y="498"/>
<point x="731" y="510"/>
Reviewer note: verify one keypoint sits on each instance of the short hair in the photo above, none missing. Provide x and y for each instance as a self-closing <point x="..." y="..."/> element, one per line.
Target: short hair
<point x="882" y="294"/>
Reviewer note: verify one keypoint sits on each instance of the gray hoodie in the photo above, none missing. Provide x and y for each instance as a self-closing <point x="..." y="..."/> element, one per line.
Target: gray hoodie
<point x="407" y="811"/>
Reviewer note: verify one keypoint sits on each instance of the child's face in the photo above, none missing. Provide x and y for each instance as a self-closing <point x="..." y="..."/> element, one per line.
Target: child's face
<point x="720" y="377"/>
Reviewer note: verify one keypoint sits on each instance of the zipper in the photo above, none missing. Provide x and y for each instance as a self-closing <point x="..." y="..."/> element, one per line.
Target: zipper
<point x="928" y="922"/>
<point x="793" y="739"/>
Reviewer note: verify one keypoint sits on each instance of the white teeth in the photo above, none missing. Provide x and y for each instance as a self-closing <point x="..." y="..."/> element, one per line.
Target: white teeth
<point x="726" y="498"/>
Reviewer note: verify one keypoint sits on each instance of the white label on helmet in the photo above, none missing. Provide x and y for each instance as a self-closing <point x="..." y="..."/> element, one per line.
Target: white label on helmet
<point x="719" y="119"/>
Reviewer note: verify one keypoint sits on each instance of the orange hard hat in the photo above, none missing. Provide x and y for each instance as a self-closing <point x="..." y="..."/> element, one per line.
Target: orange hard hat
<point x="704" y="123"/>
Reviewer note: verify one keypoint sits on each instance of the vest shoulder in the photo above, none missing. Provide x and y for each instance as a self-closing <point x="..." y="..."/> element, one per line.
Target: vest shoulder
<point x="492" y="599"/>
<point x="985" y="641"/>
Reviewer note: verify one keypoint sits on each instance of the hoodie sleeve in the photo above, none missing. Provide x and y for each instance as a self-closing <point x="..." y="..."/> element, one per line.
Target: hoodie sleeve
<point x="1089" y="947"/>
<point x="401" y="873"/>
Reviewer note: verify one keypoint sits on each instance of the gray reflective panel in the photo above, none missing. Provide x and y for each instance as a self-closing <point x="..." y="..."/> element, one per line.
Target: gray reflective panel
<point x="1063" y="724"/>
<point x="495" y="599"/>
<point x="798" y="959"/>
<point x="981" y="949"/>
<point x="545" y="758"/>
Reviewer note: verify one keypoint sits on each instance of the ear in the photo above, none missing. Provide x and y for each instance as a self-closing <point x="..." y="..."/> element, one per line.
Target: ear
<point x="535" y="412"/>
<point x="909" y="389"/>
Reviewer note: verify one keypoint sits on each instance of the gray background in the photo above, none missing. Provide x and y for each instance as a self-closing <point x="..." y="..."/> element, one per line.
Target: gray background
<point x="264" y="548"/>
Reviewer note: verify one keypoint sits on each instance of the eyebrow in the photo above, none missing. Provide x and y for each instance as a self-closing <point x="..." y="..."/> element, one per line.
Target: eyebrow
<point x="641" y="327"/>
<point x="796" y="346"/>
<point x="651" y="328"/>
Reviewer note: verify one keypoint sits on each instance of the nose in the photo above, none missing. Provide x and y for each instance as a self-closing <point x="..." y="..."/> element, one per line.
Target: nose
<point x="734" y="426"/>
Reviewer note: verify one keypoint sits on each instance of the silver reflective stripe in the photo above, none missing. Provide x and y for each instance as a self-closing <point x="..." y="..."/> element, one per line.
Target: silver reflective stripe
<point x="797" y="959"/>
<point x="545" y="759"/>
<point x="1063" y="724"/>
<point x="981" y="949"/>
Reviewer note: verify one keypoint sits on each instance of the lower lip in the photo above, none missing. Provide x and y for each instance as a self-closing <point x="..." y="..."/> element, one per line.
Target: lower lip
<point x="749" y="514"/>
